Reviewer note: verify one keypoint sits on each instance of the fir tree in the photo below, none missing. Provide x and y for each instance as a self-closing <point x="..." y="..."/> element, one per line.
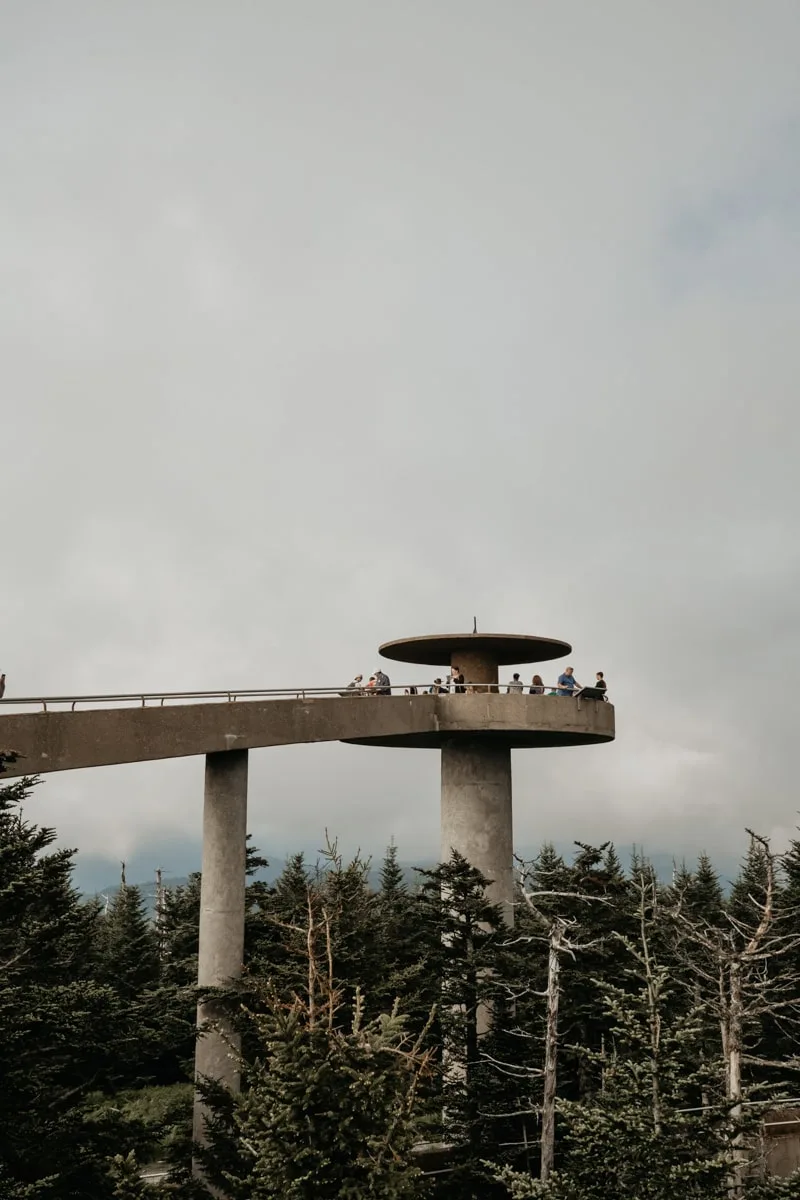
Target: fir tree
<point x="463" y="967"/>
<point x="613" y="1144"/>
<point x="402" y="948"/>
<point x="62" y="1029"/>
<point x="130" y="964"/>
<point x="634" y="1136"/>
<point x="128" y="944"/>
<point x="704" y="896"/>
<point x="289" y="896"/>
<point x="601" y="908"/>
<point x="180" y="928"/>
<point x="127" y="1180"/>
<point x="345" y="897"/>
<point x="326" y="1110"/>
<point x="547" y="876"/>
<point x="750" y="886"/>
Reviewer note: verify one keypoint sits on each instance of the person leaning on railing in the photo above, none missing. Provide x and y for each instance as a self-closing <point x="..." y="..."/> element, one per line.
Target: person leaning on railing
<point x="355" y="688"/>
<point x="598" y="692"/>
<point x="457" y="680"/>
<point x="567" y="683"/>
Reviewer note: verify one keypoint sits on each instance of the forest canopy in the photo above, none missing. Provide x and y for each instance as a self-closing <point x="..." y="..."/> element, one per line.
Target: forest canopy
<point x="625" y="1038"/>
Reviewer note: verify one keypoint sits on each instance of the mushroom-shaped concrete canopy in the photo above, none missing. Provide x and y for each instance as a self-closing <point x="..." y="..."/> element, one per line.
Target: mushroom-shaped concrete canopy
<point x="478" y="655"/>
<point x="504" y="648"/>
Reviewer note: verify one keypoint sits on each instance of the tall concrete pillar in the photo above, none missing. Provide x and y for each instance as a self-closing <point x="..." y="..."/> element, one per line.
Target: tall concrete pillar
<point x="222" y="895"/>
<point x="476" y="813"/>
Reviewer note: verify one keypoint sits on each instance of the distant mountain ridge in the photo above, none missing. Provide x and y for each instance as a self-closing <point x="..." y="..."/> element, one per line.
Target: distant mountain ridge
<point x="726" y="864"/>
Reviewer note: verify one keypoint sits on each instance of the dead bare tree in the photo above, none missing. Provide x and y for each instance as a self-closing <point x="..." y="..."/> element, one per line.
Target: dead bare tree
<point x="653" y="974"/>
<point x="733" y="967"/>
<point x="558" y="932"/>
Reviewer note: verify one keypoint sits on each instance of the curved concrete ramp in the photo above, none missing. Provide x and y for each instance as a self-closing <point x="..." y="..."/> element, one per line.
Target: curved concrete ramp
<point x="65" y="741"/>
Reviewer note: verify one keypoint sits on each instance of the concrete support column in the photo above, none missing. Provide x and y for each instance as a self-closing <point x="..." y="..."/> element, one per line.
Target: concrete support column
<point x="476" y="813"/>
<point x="222" y="892"/>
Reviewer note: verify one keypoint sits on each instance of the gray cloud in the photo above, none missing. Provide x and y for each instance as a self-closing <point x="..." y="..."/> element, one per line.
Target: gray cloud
<point x="326" y="324"/>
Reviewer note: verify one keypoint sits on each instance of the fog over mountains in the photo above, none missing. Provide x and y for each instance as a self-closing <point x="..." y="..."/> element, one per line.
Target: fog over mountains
<point x="98" y="875"/>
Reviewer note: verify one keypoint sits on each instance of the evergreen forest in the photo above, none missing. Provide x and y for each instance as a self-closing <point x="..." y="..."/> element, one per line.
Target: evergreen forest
<point x="624" y="1039"/>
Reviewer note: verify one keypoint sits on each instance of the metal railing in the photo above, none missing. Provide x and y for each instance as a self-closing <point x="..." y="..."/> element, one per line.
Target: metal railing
<point x="159" y="699"/>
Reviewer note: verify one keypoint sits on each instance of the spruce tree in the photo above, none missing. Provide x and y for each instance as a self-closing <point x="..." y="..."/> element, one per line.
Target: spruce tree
<point x="547" y="873"/>
<point x="180" y="928"/>
<point x="129" y="962"/>
<point x="62" y="1028"/>
<point x="327" y="1109"/>
<point x="643" y="1132"/>
<point x="401" y="948"/>
<point x="704" y="896"/>
<point x="345" y="897"/>
<point x="601" y="908"/>
<point x="274" y="927"/>
<point x="128" y="944"/>
<point x="770" y="1023"/>
<point x="613" y="1145"/>
<point x="466" y="934"/>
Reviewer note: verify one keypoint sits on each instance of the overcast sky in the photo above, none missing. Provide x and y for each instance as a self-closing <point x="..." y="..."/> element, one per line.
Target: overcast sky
<point x="328" y="323"/>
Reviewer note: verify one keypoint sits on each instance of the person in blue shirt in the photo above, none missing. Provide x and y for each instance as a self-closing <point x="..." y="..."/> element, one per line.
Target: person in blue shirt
<point x="567" y="682"/>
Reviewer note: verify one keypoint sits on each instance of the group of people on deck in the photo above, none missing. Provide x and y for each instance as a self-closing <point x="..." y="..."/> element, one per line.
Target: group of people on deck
<point x="567" y="686"/>
<point x="379" y="684"/>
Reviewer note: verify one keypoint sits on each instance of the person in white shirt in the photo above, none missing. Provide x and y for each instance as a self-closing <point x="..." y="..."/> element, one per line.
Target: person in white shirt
<point x="516" y="684"/>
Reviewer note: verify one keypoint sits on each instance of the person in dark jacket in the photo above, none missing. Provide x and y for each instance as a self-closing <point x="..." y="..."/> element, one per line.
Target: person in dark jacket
<point x="383" y="686"/>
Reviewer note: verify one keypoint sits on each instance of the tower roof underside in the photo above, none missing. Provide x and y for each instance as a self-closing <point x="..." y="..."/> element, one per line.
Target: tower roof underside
<point x="503" y="648"/>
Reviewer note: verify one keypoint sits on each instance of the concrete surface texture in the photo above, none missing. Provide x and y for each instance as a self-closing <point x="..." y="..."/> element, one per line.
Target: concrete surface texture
<point x="63" y="741"/>
<point x="476" y="813"/>
<point x="222" y="901"/>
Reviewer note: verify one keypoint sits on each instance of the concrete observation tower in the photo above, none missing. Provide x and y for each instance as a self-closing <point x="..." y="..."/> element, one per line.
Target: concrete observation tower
<point x="476" y="732"/>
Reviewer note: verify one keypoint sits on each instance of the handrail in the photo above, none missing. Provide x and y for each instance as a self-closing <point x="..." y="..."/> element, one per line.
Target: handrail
<point x="231" y="696"/>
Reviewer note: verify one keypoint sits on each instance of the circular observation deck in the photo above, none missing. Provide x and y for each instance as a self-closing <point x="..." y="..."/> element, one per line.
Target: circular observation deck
<point x="519" y="721"/>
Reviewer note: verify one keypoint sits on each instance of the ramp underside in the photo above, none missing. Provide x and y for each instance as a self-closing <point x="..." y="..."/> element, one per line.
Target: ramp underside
<point x="64" y="741"/>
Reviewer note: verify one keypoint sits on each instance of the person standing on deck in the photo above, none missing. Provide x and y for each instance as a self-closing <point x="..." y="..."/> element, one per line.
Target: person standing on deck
<point x="567" y="682"/>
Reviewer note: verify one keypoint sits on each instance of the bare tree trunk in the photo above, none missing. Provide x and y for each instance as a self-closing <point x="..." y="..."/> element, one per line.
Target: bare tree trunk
<point x="734" y="1072"/>
<point x="551" y="1051"/>
<point x="161" y="914"/>
<point x="705" y="1096"/>
<point x="653" y="1013"/>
